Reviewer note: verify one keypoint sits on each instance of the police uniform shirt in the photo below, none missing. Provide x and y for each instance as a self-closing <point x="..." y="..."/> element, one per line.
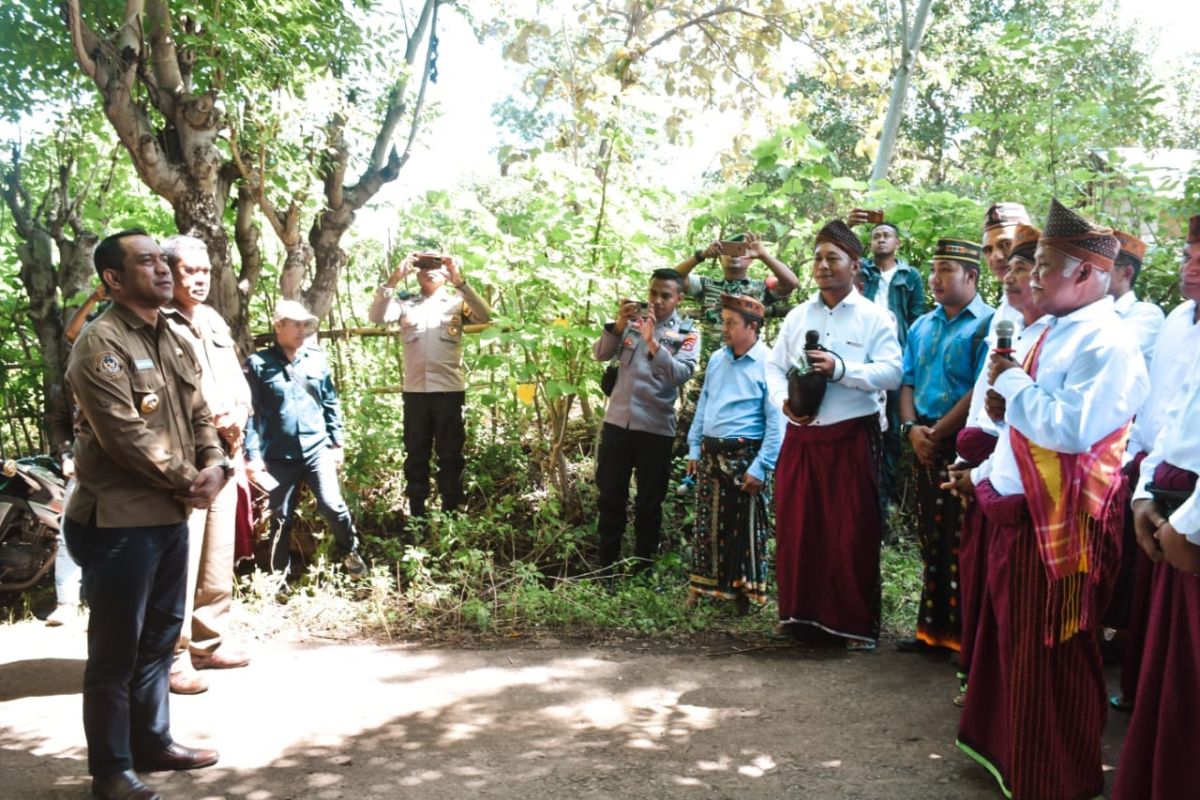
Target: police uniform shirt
<point x="144" y="429"/>
<point x="432" y="330"/>
<point x="222" y="382"/>
<point x="643" y="398"/>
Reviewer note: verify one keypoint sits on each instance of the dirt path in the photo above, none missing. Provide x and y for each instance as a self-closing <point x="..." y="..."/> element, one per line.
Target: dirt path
<point x="338" y="719"/>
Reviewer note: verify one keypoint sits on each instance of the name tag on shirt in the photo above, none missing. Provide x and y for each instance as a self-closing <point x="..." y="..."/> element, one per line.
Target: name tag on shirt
<point x="143" y="363"/>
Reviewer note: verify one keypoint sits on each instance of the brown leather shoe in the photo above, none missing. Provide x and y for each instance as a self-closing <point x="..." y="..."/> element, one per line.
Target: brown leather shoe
<point x="188" y="681"/>
<point x="175" y="757"/>
<point x="220" y="659"/>
<point x="122" y="786"/>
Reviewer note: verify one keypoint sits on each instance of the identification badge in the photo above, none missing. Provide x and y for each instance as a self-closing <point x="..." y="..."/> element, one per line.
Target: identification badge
<point x="149" y="403"/>
<point x="144" y="363"/>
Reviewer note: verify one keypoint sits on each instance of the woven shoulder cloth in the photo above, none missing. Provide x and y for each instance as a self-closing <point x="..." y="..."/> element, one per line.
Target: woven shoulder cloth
<point x="1069" y="496"/>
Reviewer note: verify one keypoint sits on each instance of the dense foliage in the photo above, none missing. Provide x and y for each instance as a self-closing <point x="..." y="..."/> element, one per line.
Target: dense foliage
<point x="1008" y="103"/>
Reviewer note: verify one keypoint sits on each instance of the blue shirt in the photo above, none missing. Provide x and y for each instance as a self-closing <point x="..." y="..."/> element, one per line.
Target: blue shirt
<point x="734" y="403"/>
<point x="296" y="410"/>
<point x="942" y="357"/>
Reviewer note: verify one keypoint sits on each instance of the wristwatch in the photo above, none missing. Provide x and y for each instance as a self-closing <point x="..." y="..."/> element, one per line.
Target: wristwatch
<point x="698" y="256"/>
<point x="907" y="426"/>
<point x="227" y="466"/>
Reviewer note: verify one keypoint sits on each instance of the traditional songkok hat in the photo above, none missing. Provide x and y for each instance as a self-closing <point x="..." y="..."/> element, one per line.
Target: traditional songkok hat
<point x="744" y="305"/>
<point x="1193" y="236"/>
<point x="837" y="234"/>
<point x="1069" y="233"/>
<point x="1005" y="215"/>
<point x="958" y="250"/>
<point x="1024" y="243"/>
<point x="1133" y="249"/>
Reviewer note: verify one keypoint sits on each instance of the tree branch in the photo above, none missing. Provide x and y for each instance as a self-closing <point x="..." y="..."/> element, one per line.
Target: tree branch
<point x="166" y="76"/>
<point x="83" y="39"/>
<point x="416" y="118"/>
<point x="396" y="105"/>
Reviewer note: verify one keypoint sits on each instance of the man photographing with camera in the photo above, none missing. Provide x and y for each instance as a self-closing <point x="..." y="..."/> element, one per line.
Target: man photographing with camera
<point x="435" y="382"/>
<point x="656" y="353"/>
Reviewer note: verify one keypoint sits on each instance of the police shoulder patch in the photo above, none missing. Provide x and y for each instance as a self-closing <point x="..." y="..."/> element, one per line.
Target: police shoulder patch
<point x="108" y="365"/>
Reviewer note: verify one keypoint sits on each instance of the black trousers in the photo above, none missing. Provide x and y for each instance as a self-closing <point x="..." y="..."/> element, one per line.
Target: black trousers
<point x="622" y="453"/>
<point x="134" y="580"/>
<point x="434" y="420"/>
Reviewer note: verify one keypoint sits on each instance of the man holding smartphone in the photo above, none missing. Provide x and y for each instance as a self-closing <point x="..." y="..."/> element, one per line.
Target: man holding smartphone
<point x="435" y="381"/>
<point x="657" y="353"/>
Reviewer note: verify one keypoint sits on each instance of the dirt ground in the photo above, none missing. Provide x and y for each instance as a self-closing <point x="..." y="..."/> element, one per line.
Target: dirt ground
<point x="326" y="719"/>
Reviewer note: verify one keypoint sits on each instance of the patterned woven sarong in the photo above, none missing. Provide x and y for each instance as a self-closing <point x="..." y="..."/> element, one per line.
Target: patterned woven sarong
<point x="729" y="540"/>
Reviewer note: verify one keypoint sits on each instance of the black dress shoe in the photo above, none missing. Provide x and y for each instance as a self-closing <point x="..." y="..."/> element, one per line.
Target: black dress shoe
<point x="122" y="786"/>
<point x="175" y="757"/>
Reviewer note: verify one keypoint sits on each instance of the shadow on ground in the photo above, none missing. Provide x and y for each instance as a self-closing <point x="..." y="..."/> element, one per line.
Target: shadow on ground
<point x="661" y="721"/>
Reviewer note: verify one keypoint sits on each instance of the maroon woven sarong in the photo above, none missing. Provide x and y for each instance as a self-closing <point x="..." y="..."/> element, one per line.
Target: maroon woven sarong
<point x="1130" y="605"/>
<point x="974" y="445"/>
<point x="1163" y="739"/>
<point x="1034" y="713"/>
<point x="827" y="527"/>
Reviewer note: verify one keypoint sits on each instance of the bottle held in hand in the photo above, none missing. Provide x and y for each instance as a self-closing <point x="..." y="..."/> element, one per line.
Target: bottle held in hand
<point x="806" y="386"/>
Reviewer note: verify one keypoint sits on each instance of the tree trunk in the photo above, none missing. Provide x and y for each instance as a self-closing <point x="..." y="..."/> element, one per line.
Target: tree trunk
<point x="891" y="126"/>
<point x="43" y="232"/>
<point x="139" y="67"/>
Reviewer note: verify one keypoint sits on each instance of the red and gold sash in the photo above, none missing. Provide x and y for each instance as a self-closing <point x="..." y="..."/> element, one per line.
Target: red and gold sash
<point x="1068" y="494"/>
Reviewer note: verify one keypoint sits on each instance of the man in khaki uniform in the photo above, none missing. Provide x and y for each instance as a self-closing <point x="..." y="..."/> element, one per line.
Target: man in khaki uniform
<point x="435" y="381"/>
<point x="211" y="530"/>
<point x="145" y="455"/>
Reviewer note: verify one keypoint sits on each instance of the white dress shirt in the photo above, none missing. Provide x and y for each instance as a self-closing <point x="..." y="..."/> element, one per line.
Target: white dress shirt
<point x="1178" y="444"/>
<point x="1143" y="318"/>
<point x="978" y="416"/>
<point x="1091" y="380"/>
<point x="858" y="331"/>
<point x="1175" y="350"/>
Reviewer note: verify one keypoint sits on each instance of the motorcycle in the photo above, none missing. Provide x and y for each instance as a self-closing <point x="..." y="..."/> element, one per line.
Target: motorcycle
<point x="31" y="506"/>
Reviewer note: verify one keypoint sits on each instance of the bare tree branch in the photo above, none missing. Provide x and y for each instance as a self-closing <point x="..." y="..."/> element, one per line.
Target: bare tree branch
<point x="396" y="102"/>
<point x="83" y="39"/>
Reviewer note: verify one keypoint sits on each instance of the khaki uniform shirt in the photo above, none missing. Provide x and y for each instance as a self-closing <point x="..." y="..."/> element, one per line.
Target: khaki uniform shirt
<point x="144" y="429"/>
<point x="643" y="398"/>
<point x="432" y="330"/>
<point x="222" y="381"/>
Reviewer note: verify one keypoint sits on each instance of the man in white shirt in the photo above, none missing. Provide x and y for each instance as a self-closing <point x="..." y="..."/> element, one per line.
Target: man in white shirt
<point x="1035" y="710"/>
<point x="827" y="510"/>
<point x="1165" y="724"/>
<point x="975" y="444"/>
<point x="1143" y="319"/>
<point x="1175" y="351"/>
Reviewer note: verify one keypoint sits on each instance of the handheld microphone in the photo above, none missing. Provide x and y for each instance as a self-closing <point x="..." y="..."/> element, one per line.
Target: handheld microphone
<point x="1004" y="336"/>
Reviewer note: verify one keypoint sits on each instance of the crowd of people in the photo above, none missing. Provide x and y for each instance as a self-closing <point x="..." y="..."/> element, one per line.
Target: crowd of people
<point x="1053" y="467"/>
